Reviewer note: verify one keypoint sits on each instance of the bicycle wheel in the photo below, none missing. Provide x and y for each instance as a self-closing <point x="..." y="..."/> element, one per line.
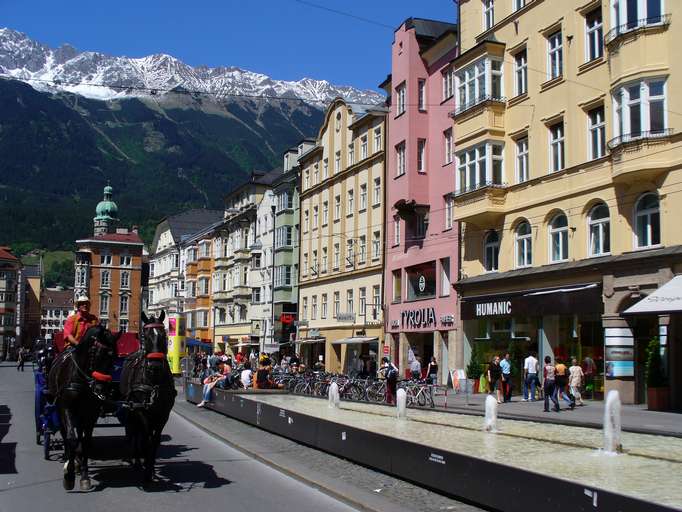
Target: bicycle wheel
<point x="421" y="397"/>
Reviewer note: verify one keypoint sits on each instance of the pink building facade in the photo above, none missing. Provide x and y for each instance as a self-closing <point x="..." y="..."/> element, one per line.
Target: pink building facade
<point x="421" y="255"/>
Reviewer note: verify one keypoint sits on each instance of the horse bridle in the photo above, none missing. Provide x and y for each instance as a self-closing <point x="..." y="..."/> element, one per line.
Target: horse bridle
<point x="154" y="355"/>
<point x="95" y="375"/>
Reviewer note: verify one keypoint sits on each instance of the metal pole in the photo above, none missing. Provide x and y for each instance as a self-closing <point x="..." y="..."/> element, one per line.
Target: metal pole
<point x="272" y="273"/>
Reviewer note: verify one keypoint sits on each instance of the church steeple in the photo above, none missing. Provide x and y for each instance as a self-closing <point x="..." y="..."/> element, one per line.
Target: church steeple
<point x="106" y="213"/>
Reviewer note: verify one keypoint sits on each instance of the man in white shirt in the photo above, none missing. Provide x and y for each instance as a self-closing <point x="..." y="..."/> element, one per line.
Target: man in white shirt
<point x="530" y="377"/>
<point x="416" y="369"/>
<point x="246" y="376"/>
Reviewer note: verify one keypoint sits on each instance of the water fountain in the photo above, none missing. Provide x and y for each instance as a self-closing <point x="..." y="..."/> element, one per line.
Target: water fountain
<point x="401" y="402"/>
<point x="334" y="397"/>
<point x="612" y="423"/>
<point x="490" y="422"/>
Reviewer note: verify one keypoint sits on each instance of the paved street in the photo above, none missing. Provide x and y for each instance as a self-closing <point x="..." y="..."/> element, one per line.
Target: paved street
<point x="196" y="471"/>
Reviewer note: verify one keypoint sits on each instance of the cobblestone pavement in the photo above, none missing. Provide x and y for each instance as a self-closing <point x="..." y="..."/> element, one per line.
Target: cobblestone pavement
<point x="374" y="490"/>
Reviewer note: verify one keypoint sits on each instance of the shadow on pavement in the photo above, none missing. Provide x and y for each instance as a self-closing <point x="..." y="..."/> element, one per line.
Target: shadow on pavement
<point x="7" y="450"/>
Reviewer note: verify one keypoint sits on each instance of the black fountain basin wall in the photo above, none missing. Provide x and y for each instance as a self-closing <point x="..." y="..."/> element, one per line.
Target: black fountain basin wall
<point x="490" y="484"/>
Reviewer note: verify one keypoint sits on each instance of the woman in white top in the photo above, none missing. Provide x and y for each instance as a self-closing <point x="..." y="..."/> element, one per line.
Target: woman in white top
<point x="246" y="376"/>
<point x="575" y="380"/>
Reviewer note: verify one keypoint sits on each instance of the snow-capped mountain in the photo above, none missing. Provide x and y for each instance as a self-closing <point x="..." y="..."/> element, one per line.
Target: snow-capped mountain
<point x="99" y="76"/>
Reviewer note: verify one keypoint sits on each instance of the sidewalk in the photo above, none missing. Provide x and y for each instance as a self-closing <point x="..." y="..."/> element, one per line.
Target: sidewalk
<point x="635" y="418"/>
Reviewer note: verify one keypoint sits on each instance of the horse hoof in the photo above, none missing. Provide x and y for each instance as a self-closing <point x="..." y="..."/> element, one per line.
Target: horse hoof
<point x="86" y="485"/>
<point x="69" y="482"/>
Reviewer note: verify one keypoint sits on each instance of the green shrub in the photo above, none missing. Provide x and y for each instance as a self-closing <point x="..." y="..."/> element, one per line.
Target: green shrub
<point x="474" y="370"/>
<point x="655" y="377"/>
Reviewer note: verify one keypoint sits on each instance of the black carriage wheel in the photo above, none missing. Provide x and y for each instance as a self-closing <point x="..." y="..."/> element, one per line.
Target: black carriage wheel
<point x="46" y="445"/>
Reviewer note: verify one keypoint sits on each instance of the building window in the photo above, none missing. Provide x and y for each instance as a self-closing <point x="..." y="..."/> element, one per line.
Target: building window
<point x="480" y="167"/>
<point x="123" y="326"/>
<point x="555" y="56"/>
<point x="478" y="82"/>
<point x="313" y="307"/>
<point x="316" y="174"/>
<point x="445" y="277"/>
<point x="558" y="238"/>
<point x="524" y="245"/>
<point x="597" y="129"/>
<point x="521" y="72"/>
<point x="594" y="32"/>
<point x="316" y="216"/>
<point x="647" y="221"/>
<point x="123" y="306"/>
<point x="448" y="84"/>
<point x="304" y="312"/>
<point x="420" y="281"/>
<point x="255" y="295"/>
<point x="376" y="245"/>
<point x="323" y="306"/>
<point x="305" y="263"/>
<point x="448" y="145"/>
<point x="351" y="204"/>
<point x="421" y="94"/>
<point x="377" y="140"/>
<point x="306" y="221"/>
<point x="105" y="279"/>
<point x="631" y="14"/>
<point x="600" y="230"/>
<point x="351" y="154"/>
<point x="306" y="179"/>
<point x="337" y="207"/>
<point x="256" y="260"/>
<point x="325" y="169"/>
<point x="325" y="213"/>
<point x="337" y="162"/>
<point x="362" y="249"/>
<point x="421" y="155"/>
<point x="396" y="230"/>
<point x="488" y="14"/>
<point x="420" y="225"/>
<point x="362" y="294"/>
<point x="376" y="301"/>
<point x="283" y="236"/>
<point x="377" y="191"/>
<point x="363" y="147"/>
<point x="492" y="252"/>
<point x="126" y="260"/>
<point x="337" y="256"/>
<point x="350" y="258"/>
<point x="324" y="260"/>
<point x="313" y="267"/>
<point x="400" y="159"/>
<point x="338" y="121"/>
<point x="125" y="280"/>
<point x="400" y="98"/>
<point x="363" y="196"/>
<point x="640" y="109"/>
<point x="104" y="305"/>
<point x="556" y="144"/>
<point x="519" y="4"/>
<point x="337" y="304"/>
<point x="80" y="277"/>
<point x="350" y="308"/>
<point x="449" y="211"/>
<point x="522" y="160"/>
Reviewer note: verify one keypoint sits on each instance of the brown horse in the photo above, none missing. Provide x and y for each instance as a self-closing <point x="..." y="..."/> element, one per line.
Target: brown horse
<point x="148" y="387"/>
<point x="78" y="382"/>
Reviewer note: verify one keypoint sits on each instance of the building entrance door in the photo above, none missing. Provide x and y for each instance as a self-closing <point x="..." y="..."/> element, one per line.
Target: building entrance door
<point x="644" y="329"/>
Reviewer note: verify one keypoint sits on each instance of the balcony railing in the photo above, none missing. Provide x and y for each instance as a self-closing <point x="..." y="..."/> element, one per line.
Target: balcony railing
<point x="638" y="137"/>
<point x="488" y="98"/>
<point x="479" y="186"/>
<point x="662" y="20"/>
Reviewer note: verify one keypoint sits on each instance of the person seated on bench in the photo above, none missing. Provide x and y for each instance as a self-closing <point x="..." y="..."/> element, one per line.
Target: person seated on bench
<point x="247" y="375"/>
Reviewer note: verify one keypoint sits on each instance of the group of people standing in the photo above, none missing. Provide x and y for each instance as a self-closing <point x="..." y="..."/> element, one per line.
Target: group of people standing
<point x="559" y="382"/>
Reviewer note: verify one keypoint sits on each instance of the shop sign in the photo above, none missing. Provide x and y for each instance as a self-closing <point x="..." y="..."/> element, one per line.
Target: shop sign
<point x="620" y="362"/>
<point x="256" y="327"/>
<point x="447" y="319"/>
<point x="387" y="350"/>
<point x="502" y="307"/>
<point x="345" y="317"/>
<point x="416" y="318"/>
<point x="395" y="324"/>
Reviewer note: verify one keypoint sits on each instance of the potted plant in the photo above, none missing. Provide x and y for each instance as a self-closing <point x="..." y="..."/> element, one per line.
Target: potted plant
<point x="657" y="390"/>
<point x="474" y="368"/>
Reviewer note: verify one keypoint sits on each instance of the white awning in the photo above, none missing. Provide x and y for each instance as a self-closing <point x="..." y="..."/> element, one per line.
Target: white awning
<point x="355" y="340"/>
<point x="667" y="299"/>
<point x="310" y="341"/>
<point x="563" y="290"/>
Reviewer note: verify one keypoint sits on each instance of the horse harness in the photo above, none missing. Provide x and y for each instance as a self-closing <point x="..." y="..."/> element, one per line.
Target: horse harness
<point x="150" y="391"/>
<point x="90" y="380"/>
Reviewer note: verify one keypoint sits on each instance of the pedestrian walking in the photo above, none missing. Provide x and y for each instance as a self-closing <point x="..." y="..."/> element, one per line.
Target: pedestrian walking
<point x="561" y="382"/>
<point x="505" y="365"/>
<point x="530" y="377"/>
<point x="549" y="385"/>
<point x="416" y="368"/>
<point x="391" y="375"/>
<point x="21" y="358"/>
<point x="494" y="378"/>
<point x="432" y="371"/>
<point x="576" y="379"/>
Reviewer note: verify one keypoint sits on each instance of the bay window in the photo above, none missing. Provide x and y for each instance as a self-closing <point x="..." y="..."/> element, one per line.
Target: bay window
<point x="480" y="166"/>
<point x="639" y="110"/>
<point x="478" y="82"/>
<point x="631" y="14"/>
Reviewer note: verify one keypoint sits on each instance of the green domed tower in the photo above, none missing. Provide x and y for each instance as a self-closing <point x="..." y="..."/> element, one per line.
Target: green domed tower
<point x="106" y="213"/>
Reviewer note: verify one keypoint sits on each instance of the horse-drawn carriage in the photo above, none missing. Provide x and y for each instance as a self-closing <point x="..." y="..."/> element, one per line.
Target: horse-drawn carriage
<point x="105" y="375"/>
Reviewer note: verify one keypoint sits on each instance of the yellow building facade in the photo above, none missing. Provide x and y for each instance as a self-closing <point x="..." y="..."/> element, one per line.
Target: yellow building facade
<point x="341" y="240"/>
<point x="568" y="154"/>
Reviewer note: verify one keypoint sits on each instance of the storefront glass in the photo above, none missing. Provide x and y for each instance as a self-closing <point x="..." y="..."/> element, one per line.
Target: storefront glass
<point x="421" y="281"/>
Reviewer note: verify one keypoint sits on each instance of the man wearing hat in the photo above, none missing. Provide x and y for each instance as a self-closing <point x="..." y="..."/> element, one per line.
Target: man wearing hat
<point x="76" y="324"/>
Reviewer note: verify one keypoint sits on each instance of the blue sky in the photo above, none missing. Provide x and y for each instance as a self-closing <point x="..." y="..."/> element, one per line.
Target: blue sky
<point x="286" y="39"/>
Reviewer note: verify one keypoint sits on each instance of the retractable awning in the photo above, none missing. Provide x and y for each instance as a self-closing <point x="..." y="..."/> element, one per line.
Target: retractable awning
<point x="310" y="341"/>
<point x="355" y="340"/>
<point x="667" y="299"/>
